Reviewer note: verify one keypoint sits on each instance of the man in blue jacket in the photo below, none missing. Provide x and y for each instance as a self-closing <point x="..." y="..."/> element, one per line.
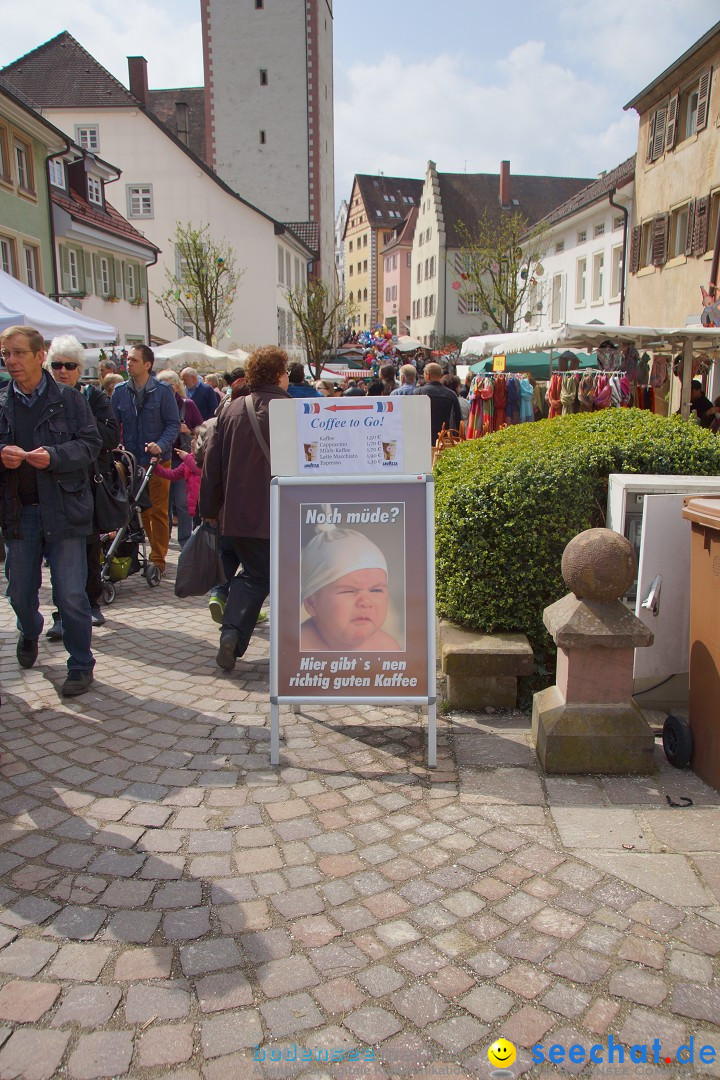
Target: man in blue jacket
<point x="48" y="438"/>
<point x="150" y="422"/>
<point x="201" y="393"/>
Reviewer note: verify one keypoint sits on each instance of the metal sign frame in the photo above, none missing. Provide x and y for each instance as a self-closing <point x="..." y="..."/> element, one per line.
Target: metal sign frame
<point x="384" y="486"/>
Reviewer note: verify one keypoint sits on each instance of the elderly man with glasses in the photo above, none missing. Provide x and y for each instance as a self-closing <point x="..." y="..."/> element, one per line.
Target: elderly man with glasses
<point x="48" y="439"/>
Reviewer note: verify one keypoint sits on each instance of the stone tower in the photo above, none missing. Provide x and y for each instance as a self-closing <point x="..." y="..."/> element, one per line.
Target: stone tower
<point x="269" y="109"/>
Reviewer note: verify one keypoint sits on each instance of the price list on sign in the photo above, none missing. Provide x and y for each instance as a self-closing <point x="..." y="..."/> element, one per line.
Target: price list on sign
<point x="349" y="436"/>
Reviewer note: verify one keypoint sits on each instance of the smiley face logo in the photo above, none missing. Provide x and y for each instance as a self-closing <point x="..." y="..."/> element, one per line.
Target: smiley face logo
<point x="502" y="1054"/>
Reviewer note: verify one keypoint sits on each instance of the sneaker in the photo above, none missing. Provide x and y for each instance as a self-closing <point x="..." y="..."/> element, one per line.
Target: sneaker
<point x="77" y="683"/>
<point x="26" y="652"/>
<point x="153" y="574"/>
<point x="55" y="632"/>
<point x="216" y="604"/>
<point x="226" y="654"/>
<point x="98" y="619"/>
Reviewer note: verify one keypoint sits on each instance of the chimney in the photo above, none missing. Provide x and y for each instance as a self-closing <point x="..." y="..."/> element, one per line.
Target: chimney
<point x="504" y="183"/>
<point x="138" y="77"/>
<point x="181" y="120"/>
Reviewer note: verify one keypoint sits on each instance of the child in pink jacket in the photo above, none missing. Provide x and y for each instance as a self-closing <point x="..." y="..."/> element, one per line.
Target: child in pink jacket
<point x="188" y="471"/>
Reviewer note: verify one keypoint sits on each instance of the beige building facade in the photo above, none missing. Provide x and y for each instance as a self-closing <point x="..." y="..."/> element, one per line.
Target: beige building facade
<point x="677" y="188"/>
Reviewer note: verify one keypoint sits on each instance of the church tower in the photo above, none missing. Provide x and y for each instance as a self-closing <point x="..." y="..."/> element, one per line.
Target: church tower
<point x="269" y="110"/>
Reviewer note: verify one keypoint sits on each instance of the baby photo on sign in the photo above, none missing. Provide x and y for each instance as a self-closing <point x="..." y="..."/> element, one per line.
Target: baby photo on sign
<point x="352" y="577"/>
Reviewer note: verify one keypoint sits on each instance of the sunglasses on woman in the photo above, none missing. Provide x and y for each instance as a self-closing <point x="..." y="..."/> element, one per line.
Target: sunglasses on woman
<point x="69" y="365"/>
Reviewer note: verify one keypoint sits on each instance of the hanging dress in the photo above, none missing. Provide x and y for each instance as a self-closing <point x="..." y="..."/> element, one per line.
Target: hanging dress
<point x="527" y="412"/>
<point x="512" y="401"/>
<point x="553" y="396"/>
<point x="568" y="394"/>
<point x="474" y="424"/>
<point x="499" y="402"/>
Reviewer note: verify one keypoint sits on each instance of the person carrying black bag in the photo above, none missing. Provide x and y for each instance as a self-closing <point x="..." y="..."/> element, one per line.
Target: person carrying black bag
<point x="65" y="360"/>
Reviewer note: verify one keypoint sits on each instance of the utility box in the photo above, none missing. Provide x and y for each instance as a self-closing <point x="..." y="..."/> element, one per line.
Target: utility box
<point x="647" y="510"/>
<point x="704" y="704"/>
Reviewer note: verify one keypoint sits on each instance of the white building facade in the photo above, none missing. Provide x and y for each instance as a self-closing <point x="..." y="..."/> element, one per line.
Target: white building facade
<point x="269" y="108"/>
<point x="340" y="268"/>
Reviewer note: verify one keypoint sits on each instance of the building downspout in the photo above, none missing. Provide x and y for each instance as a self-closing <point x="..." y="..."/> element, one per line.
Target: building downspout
<point x="53" y="253"/>
<point x="626" y="215"/>
<point x="147" y="302"/>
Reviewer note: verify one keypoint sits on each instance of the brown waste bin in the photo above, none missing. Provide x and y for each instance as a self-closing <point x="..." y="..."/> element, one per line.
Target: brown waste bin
<point x="704" y="712"/>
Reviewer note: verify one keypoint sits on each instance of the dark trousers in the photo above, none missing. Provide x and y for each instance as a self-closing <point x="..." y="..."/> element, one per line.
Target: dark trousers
<point x="248" y="589"/>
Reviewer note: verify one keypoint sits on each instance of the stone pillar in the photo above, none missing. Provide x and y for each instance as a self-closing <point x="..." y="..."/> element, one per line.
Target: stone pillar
<point x="588" y="722"/>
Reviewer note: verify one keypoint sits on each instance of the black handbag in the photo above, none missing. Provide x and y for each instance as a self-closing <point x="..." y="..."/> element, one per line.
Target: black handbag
<point x="112" y="505"/>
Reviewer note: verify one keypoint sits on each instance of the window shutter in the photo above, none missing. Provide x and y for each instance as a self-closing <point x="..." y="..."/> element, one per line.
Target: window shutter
<point x="87" y="266"/>
<point x="635" y="245"/>
<point x="703" y="100"/>
<point x="96" y="274"/>
<point x="65" y="268"/>
<point x="658" y="143"/>
<point x="142" y="283"/>
<point x="700" y="227"/>
<point x="660" y="239"/>
<point x="651" y="137"/>
<point x="689" y="235"/>
<point x="671" y="131"/>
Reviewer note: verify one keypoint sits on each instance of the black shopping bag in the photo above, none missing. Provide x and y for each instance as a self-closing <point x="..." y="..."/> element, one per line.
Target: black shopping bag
<point x="200" y="567"/>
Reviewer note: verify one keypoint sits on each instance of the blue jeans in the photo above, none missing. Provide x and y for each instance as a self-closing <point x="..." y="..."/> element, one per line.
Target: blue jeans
<point x="68" y="574"/>
<point x="178" y="496"/>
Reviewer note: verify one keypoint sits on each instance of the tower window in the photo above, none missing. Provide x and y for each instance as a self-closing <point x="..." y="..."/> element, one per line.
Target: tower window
<point x="259" y="5"/>
<point x="262" y="138"/>
<point x="263" y="77"/>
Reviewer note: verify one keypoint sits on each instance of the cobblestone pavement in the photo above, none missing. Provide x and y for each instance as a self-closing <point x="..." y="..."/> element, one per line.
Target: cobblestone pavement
<point x="168" y="901"/>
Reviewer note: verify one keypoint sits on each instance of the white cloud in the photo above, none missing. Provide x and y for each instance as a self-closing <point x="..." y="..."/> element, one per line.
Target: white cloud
<point x="525" y="106"/>
<point x="167" y="35"/>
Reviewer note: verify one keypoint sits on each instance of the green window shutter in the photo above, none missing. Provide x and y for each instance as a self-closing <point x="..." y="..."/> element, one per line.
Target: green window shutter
<point x="65" y="268"/>
<point x="87" y="265"/>
<point x="96" y="274"/>
<point x="143" y="283"/>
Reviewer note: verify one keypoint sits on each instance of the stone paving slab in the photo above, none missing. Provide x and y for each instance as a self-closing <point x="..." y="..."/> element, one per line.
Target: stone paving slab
<point x="172" y="906"/>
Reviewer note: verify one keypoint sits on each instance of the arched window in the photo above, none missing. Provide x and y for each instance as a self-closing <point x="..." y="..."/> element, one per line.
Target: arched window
<point x="364" y="294"/>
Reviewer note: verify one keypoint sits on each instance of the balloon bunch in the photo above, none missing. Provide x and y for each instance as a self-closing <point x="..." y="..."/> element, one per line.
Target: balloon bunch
<point x="378" y="344"/>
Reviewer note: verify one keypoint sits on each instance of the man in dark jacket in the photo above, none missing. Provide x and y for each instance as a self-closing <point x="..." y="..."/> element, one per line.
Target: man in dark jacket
<point x="297" y="386"/>
<point x="200" y="392"/>
<point x="444" y="407"/>
<point x="48" y="438"/>
<point x="150" y="424"/>
<point x="235" y="492"/>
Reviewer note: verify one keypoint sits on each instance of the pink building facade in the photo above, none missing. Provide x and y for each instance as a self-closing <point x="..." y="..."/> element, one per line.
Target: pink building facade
<point x="397" y="259"/>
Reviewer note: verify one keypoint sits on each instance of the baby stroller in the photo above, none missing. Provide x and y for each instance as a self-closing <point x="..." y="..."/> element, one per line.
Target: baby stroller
<point x="125" y="551"/>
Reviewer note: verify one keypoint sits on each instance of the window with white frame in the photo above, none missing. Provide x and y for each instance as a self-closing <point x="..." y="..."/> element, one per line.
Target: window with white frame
<point x="281" y="266"/>
<point x="677" y="238"/>
<point x="582" y="236"/>
<point x="599" y="229"/>
<point x="598" y="276"/>
<point x="409" y="259"/>
<point x="431" y="305"/>
<point x="56" y="170"/>
<point x="618" y="222"/>
<point x="387" y="293"/>
<point x="393" y="295"/>
<point x="559" y="247"/>
<point x="4" y="155"/>
<point x="288" y="269"/>
<point x="419" y="272"/>
<point x="557" y="309"/>
<point x="427" y="269"/>
<point x="580" y="282"/>
<point x="140" y="200"/>
<point x="94" y="191"/>
<point x="104" y="276"/>
<point x="73" y="277"/>
<point x="7" y="255"/>
<point x="473" y="306"/>
<point x="88" y="135"/>
<point x="394" y="263"/>
<point x="32" y="266"/>
<point x="616" y="272"/>
<point x="23" y="165"/>
<point x="130" y="282"/>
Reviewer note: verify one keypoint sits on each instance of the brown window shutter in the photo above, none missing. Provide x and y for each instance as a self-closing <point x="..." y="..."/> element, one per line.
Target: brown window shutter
<point x="635" y="243"/>
<point x="658" y="143"/>
<point x="700" y="227"/>
<point x="671" y="129"/>
<point x="690" y="234"/>
<point x="651" y="137"/>
<point x="703" y="100"/>
<point x="660" y="239"/>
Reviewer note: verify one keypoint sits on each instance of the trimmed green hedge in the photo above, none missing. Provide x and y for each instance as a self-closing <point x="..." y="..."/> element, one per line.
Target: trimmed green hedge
<point x="507" y="504"/>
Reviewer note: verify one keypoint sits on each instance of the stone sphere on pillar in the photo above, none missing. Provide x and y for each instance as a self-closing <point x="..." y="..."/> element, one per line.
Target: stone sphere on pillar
<point x="599" y="565"/>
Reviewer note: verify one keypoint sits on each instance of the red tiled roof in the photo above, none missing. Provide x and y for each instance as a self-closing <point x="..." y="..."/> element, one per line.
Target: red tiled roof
<point x="382" y="194"/>
<point x="109" y="221"/>
<point x="61" y="74"/>
<point x="594" y="192"/>
<point x="404" y="233"/>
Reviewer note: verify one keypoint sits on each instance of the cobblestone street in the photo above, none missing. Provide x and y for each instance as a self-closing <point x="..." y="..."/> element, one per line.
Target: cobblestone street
<point x="169" y="901"/>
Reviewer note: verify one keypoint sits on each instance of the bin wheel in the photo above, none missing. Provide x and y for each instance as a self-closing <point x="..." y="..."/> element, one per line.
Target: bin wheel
<point x="677" y="741"/>
<point x="152" y="575"/>
<point x="108" y="592"/>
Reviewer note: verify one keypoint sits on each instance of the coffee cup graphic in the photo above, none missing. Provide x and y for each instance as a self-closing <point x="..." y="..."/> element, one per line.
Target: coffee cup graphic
<point x="311" y="451"/>
<point x="389" y="450"/>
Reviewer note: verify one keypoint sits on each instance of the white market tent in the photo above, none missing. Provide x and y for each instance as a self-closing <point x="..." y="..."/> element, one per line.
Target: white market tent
<point x="684" y="339"/>
<point x="189" y="352"/>
<point x="22" y="306"/>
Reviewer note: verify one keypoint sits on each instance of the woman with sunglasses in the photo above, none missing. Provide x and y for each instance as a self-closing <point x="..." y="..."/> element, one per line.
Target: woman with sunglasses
<point x="66" y="360"/>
